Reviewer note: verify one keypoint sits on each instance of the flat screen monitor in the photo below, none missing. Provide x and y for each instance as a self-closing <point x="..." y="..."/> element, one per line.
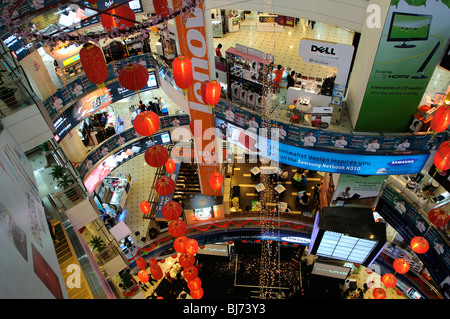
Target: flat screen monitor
<point x="409" y="27"/>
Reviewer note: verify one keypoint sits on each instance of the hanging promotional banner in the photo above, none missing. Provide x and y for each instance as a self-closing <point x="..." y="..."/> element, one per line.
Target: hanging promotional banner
<point x="414" y="37"/>
<point x="192" y="41"/>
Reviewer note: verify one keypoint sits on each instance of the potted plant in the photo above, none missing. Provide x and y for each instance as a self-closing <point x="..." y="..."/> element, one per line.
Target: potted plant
<point x="7" y="94"/>
<point x="59" y="174"/>
<point x="97" y="243"/>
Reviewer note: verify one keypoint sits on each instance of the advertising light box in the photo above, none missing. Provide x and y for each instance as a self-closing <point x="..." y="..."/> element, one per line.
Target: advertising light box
<point x="327" y="270"/>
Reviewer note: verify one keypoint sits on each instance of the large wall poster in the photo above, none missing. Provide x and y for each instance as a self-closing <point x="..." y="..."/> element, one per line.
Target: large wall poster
<point x="28" y="260"/>
<point x="413" y="40"/>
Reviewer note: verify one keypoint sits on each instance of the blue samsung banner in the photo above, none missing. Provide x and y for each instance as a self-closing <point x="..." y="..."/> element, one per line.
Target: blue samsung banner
<point x="351" y="163"/>
<point x="321" y="159"/>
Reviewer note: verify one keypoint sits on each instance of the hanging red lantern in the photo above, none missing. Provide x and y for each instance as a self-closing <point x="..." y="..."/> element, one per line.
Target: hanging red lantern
<point x="212" y="93"/>
<point x="401" y="266"/>
<point x="230" y="242"/>
<point x="133" y="76"/>
<point x="143" y="276"/>
<point x="172" y="210"/>
<point x="442" y="157"/>
<point x="164" y="186"/>
<point x="156" y="155"/>
<point x="180" y="244"/>
<point x="146" y="123"/>
<point x="197" y="294"/>
<point x="194" y="284"/>
<point x="156" y="272"/>
<point x="177" y="228"/>
<point x="419" y="245"/>
<point x="389" y="280"/>
<point x="152" y="261"/>
<point x="441" y="118"/>
<point x="94" y="65"/>
<point x="216" y="180"/>
<point x="438" y="217"/>
<point x="191" y="247"/>
<point x="379" y="293"/>
<point x="115" y="18"/>
<point x="141" y="263"/>
<point x="161" y="8"/>
<point x="190" y="273"/>
<point x="145" y="207"/>
<point x="201" y="247"/>
<point x="170" y="166"/>
<point x="186" y="260"/>
<point x="182" y="72"/>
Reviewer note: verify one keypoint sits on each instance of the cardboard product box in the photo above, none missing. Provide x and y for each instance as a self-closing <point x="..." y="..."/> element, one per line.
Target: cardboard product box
<point x="426" y="112"/>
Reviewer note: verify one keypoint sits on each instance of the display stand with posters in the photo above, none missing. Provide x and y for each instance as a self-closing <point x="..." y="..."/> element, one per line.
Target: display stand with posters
<point x="268" y="23"/>
<point x="245" y="67"/>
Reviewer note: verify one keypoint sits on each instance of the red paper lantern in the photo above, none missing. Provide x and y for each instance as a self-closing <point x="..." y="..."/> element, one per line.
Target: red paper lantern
<point x="389" y="280"/>
<point x="94" y="64"/>
<point x="133" y="76"/>
<point x="170" y="166"/>
<point x="115" y="17"/>
<point x="191" y="247"/>
<point x="145" y="207"/>
<point x="186" y="260"/>
<point x="146" y="123"/>
<point x="164" y="186"/>
<point x="215" y="180"/>
<point x="379" y="293"/>
<point x="201" y="247"/>
<point x="197" y="294"/>
<point x="212" y="93"/>
<point x="141" y="263"/>
<point x="161" y="8"/>
<point x="190" y="273"/>
<point x="182" y="72"/>
<point x="194" y="284"/>
<point x="156" y="155"/>
<point x="172" y="210"/>
<point x="419" y="245"/>
<point x="441" y="119"/>
<point x="401" y="266"/>
<point x="152" y="262"/>
<point x="143" y="276"/>
<point x="438" y="217"/>
<point x="180" y="244"/>
<point x="177" y="228"/>
<point x="442" y="157"/>
<point x="156" y="272"/>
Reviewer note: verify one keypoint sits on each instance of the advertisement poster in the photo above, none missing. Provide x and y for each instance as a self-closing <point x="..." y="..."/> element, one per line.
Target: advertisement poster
<point x="414" y="37"/>
<point x="295" y="135"/>
<point x="355" y="190"/>
<point x="26" y="246"/>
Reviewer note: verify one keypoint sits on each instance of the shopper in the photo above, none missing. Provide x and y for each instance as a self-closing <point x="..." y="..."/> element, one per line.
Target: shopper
<point x="141" y="106"/>
<point x="304" y="182"/>
<point x="278" y="78"/>
<point x="291" y="79"/>
<point x="218" y="52"/>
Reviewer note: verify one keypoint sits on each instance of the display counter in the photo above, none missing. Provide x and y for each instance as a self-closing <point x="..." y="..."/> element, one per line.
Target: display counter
<point x="217" y="28"/>
<point x="268" y="23"/>
<point x="233" y="24"/>
<point x="295" y="93"/>
<point x="424" y="195"/>
<point x="113" y="191"/>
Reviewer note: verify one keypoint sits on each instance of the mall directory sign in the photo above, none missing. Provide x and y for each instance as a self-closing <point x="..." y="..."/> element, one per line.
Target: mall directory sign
<point x="414" y="36"/>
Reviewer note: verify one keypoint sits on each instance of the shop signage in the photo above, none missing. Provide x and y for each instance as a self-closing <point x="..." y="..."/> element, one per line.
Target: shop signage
<point x="322" y="49"/>
<point x="192" y="41"/>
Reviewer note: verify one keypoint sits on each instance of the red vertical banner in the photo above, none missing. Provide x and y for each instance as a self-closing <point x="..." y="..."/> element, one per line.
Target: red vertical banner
<point x="192" y="42"/>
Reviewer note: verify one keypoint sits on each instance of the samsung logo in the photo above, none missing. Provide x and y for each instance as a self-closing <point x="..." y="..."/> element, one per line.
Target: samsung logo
<point x="402" y="162"/>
